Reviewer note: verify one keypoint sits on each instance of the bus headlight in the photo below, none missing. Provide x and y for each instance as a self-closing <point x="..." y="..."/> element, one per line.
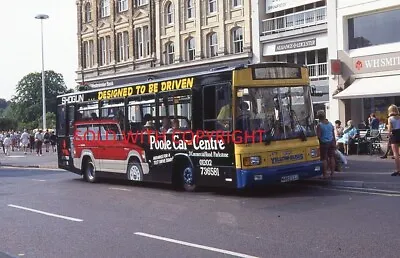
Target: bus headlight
<point x="252" y="161"/>
<point x="314" y="152"/>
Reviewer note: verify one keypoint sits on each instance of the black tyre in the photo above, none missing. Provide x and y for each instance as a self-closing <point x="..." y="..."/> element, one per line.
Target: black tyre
<point x="89" y="172"/>
<point x="188" y="178"/>
<point x="134" y="171"/>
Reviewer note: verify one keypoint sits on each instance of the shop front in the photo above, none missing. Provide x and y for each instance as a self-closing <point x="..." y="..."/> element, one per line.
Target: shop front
<point x="371" y="84"/>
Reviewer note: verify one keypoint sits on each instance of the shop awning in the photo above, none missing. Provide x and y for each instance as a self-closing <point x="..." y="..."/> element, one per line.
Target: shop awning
<point x="384" y="86"/>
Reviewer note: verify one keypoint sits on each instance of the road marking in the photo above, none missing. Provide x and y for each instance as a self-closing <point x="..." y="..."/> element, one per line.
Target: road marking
<point x="119" y="189"/>
<point x="195" y="245"/>
<point x="369" y="189"/>
<point x="360" y="192"/>
<point x="46" y="213"/>
<point x="39" y="180"/>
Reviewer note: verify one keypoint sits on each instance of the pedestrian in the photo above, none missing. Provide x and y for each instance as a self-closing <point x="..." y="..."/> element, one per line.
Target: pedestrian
<point x="326" y="136"/>
<point x="394" y="132"/>
<point x="32" y="142"/>
<point x="373" y="122"/>
<point x="7" y="142"/>
<point x="53" y="140"/>
<point x="2" y="136"/>
<point x="46" y="140"/>
<point x="25" y="141"/>
<point x="39" y="142"/>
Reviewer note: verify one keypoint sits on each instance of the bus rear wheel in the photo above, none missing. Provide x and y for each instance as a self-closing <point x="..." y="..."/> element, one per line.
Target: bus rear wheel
<point x="89" y="172"/>
<point x="188" y="181"/>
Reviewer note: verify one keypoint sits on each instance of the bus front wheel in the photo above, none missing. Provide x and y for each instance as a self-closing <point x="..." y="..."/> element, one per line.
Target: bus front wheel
<point x="89" y="171"/>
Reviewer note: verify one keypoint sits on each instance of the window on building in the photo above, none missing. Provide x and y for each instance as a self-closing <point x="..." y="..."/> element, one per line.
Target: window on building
<point x="146" y="40"/>
<point x="236" y="3"/>
<point x="301" y="58"/>
<point x="141" y="2"/>
<point x="139" y="43"/>
<point x="237" y="38"/>
<point x="190" y="9"/>
<point x="102" y="51"/>
<point x="88" y="12"/>
<point x="311" y="57"/>
<point x="374" y="29"/>
<point x="169" y="53"/>
<point x="122" y="5"/>
<point x="169" y="11"/>
<point x="123" y="46"/>
<point x="290" y="58"/>
<point x="212" y="6"/>
<point x="88" y="53"/>
<point x="322" y="55"/>
<point x="104" y="8"/>
<point x="212" y="44"/>
<point x="191" y="49"/>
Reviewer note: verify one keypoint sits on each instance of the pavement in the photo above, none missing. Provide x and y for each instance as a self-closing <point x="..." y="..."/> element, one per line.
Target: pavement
<point x="362" y="171"/>
<point x="50" y="213"/>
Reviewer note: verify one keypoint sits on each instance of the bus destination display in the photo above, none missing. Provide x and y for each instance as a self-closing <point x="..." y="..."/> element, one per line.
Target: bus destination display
<point x="266" y="73"/>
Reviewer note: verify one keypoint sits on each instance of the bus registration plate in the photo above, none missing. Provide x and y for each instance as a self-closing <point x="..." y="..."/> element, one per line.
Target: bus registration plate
<point x="290" y="178"/>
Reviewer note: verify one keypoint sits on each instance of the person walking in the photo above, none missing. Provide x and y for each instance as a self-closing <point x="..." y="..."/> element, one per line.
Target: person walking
<point x="394" y="134"/>
<point x="39" y="142"/>
<point x="25" y="141"/>
<point x="46" y="138"/>
<point x="32" y="142"/>
<point x="7" y="142"/>
<point x="326" y="136"/>
<point x="53" y="140"/>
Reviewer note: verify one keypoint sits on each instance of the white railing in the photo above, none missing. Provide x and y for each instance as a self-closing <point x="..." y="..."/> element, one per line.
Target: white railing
<point x="317" y="71"/>
<point x="295" y="21"/>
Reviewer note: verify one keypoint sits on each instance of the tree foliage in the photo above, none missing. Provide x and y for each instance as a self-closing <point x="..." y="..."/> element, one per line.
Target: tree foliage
<point x="26" y="105"/>
<point x="8" y="124"/>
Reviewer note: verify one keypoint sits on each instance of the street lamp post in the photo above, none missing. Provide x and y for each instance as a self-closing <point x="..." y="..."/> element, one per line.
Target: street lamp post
<point x="42" y="17"/>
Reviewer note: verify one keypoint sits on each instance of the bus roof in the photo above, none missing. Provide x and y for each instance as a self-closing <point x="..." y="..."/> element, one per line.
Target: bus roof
<point x="211" y="71"/>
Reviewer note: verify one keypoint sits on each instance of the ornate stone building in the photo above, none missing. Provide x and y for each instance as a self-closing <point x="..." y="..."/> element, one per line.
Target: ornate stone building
<point x="125" y="41"/>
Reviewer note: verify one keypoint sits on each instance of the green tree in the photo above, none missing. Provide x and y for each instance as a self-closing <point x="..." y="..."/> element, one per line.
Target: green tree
<point x="27" y="103"/>
<point x="50" y="121"/>
<point x="8" y="124"/>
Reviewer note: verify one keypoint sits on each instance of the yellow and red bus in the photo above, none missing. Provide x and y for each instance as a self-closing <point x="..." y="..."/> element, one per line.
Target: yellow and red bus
<point x="235" y="127"/>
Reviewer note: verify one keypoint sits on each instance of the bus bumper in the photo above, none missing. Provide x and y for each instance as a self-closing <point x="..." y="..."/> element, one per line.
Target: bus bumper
<point x="281" y="174"/>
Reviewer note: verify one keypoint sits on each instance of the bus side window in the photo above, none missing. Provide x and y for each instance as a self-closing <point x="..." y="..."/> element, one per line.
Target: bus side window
<point x="217" y="107"/>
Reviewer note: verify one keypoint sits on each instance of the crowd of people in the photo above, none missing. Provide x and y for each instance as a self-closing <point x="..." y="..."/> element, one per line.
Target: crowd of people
<point x="332" y="137"/>
<point x="28" y="141"/>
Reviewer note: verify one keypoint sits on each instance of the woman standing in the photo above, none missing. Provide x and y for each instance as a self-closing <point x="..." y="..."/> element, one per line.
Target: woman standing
<point x="326" y="136"/>
<point x="394" y="134"/>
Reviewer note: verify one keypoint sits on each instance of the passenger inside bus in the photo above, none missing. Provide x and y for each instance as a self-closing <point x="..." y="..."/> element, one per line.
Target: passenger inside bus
<point x="166" y="125"/>
<point x="224" y="116"/>
<point x="175" y="126"/>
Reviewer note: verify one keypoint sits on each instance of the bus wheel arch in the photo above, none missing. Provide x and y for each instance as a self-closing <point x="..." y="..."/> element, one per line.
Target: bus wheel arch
<point x="183" y="173"/>
<point x="89" y="169"/>
<point x="134" y="171"/>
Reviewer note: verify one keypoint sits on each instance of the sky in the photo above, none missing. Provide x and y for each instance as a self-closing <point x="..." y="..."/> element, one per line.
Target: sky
<point x="20" y="41"/>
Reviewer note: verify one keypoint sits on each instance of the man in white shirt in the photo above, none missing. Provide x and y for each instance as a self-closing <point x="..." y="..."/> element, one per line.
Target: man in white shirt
<point x="25" y="140"/>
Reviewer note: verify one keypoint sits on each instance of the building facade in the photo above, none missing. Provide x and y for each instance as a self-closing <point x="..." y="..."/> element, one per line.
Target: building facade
<point x="364" y="44"/>
<point x="294" y="31"/>
<point x="126" y="41"/>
